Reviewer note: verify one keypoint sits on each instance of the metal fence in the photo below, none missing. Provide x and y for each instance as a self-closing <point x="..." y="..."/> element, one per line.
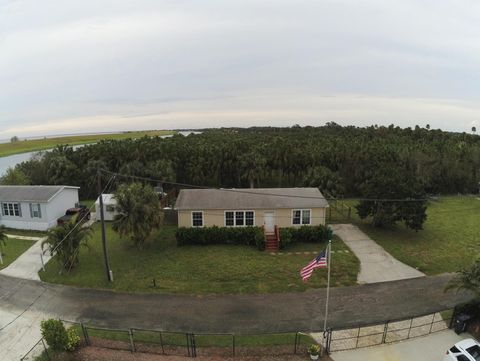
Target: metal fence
<point x="37" y="351"/>
<point x="262" y="344"/>
<point x="388" y="332"/>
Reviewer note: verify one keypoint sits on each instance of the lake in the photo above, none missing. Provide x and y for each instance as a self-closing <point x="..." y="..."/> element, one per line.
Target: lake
<point x="13" y="160"/>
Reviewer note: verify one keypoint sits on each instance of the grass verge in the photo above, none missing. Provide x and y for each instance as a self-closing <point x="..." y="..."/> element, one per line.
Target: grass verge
<point x="13" y="249"/>
<point x="23" y="146"/>
<point x="213" y="269"/>
<point x="449" y="241"/>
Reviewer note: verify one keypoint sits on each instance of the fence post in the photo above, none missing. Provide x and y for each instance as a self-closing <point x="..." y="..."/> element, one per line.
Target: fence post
<point x="431" y="325"/>
<point x="188" y="344"/>
<point x="161" y="342"/>
<point x="233" y="342"/>
<point x="132" y="343"/>
<point x="453" y="317"/>
<point x="329" y="340"/>
<point x="358" y="337"/>
<point x="85" y="334"/>
<point x="385" y="331"/>
<point x="295" y="347"/>
<point x="410" y="328"/>
<point x="46" y="350"/>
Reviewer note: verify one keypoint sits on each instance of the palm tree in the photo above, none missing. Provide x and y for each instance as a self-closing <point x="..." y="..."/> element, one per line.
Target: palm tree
<point x="64" y="242"/>
<point x="139" y="212"/>
<point x="467" y="279"/>
<point x="3" y="242"/>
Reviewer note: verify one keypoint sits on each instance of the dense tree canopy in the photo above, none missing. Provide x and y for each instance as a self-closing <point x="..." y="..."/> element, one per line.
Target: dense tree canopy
<point x="345" y="161"/>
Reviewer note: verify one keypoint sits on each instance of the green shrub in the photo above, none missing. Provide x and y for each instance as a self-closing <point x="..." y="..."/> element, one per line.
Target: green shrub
<point x="57" y="337"/>
<point x="249" y="236"/>
<point x="73" y="340"/>
<point x="55" y="334"/>
<point x="304" y="234"/>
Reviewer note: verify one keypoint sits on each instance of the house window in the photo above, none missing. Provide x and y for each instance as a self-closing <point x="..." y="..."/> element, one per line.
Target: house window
<point x="11" y="209"/>
<point x="197" y="219"/>
<point x="35" y="210"/>
<point x="239" y="218"/>
<point x="229" y="219"/>
<point x="249" y="218"/>
<point x="110" y="208"/>
<point x="301" y="216"/>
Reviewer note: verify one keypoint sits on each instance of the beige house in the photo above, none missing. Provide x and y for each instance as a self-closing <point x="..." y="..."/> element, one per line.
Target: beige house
<point x="268" y="207"/>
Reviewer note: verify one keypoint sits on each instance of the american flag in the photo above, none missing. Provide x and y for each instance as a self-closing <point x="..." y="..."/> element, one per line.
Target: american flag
<point x="318" y="262"/>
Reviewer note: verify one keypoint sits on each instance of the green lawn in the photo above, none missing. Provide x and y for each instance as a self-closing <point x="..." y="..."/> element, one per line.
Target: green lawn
<point x="215" y="269"/>
<point x="13" y="249"/>
<point x="23" y="146"/>
<point x="25" y="232"/>
<point x="449" y="241"/>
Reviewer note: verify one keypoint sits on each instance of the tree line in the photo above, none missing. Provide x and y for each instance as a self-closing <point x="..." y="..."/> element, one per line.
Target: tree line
<point x="372" y="162"/>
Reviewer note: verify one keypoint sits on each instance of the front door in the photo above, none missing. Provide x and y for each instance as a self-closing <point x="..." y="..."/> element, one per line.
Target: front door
<point x="269" y="221"/>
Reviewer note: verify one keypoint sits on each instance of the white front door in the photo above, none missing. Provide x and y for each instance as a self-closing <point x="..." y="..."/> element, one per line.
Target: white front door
<point x="269" y="221"/>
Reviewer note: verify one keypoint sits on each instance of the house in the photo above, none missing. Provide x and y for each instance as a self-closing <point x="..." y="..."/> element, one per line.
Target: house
<point x="267" y="207"/>
<point x="35" y="207"/>
<point x="109" y="207"/>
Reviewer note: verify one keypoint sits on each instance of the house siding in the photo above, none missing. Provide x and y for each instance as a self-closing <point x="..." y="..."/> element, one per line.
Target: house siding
<point x="50" y="212"/>
<point x="283" y="217"/>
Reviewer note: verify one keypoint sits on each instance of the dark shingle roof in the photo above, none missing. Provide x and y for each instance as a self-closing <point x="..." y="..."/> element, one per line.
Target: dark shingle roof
<point x="258" y="198"/>
<point x="30" y="193"/>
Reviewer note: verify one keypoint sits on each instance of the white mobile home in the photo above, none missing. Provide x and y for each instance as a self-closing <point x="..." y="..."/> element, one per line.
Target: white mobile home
<point x="35" y="207"/>
<point x="109" y="207"/>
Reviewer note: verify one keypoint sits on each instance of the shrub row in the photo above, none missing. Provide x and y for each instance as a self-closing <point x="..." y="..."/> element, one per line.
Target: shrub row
<point x="308" y="234"/>
<point x="250" y="236"/>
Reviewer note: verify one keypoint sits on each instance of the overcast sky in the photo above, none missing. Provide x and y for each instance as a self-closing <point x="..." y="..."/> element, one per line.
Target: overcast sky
<point x="71" y="66"/>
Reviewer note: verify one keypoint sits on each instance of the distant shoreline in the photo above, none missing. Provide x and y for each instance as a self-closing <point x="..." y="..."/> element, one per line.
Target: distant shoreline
<point x="32" y="144"/>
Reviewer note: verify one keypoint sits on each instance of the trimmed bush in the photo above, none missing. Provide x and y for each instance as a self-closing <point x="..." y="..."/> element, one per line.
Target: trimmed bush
<point x="55" y="334"/>
<point x="249" y="236"/>
<point x="58" y="338"/>
<point x="304" y="234"/>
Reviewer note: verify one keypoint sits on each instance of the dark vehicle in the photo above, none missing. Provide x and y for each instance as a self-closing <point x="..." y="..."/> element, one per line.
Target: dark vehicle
<point x="82" y="214"/>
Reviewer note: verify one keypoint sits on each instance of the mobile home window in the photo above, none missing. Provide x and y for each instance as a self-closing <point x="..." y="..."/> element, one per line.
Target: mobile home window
<point x="249" y="218"/>
<point x="35" y="210"/>
<point x="301" y="216"/>
<point x="239" y="218"/>
<point x="11" y="209"/>
<point x="197" y="219"/>
<point x="229" y="219"/>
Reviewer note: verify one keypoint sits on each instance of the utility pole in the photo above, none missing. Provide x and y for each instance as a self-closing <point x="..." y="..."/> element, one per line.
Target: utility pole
<point x="102" y="220"/>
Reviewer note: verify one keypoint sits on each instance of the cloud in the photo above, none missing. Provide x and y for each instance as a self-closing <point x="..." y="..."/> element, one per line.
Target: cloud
<point x="214" y="63"/>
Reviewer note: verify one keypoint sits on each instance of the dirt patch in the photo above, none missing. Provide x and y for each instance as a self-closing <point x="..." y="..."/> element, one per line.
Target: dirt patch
<point x="90" y="353"/>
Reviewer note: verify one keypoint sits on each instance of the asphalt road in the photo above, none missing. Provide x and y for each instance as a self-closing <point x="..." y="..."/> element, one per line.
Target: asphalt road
<point x="349" y="306"/>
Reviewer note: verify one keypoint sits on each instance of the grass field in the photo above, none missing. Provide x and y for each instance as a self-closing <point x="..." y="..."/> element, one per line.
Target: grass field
<point x="13" y="249"/>
<point x="23" y="146"/>
<point x="449" y="241"/>
<point x="215" y="269"/>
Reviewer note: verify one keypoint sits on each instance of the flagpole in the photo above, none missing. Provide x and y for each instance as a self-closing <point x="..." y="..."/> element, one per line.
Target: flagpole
<point x="329" y="249"/>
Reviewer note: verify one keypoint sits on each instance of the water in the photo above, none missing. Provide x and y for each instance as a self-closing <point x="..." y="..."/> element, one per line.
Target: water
<point x="13" y="160"/>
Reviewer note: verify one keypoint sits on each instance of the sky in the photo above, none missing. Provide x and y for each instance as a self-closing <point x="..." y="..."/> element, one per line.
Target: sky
<point x="70" y="66"/>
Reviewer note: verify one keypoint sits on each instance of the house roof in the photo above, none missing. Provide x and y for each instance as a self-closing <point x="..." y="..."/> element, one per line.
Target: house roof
<point x="108" y="198"/>
<point x="257" y="198"/>
<point x="30" y="193"/>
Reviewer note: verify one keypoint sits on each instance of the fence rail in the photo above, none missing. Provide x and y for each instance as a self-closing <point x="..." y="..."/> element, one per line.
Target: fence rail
<point x="262" y="344"/>
<point x="388" y="332"/>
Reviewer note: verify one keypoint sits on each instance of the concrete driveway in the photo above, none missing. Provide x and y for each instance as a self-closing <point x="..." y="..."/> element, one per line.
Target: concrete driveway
<point x="428" y="348"/>
<point x="376" y="264"/>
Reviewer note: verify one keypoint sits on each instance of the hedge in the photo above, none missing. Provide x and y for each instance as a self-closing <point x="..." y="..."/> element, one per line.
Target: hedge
<point x="308" y="234"/>
<point x="249" y="236"/>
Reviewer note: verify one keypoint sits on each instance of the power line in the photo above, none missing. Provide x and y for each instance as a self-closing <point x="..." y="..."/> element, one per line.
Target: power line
<point x="79" y="222"/>
<point x="246" y="191"/>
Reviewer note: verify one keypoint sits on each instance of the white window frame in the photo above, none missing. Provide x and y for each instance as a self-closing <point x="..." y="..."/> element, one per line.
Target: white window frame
<point x="9" y="209"/>
<point x="234" y="211"/>
<point x="38" y="211"/>
<point x="203" y="218"/>
<point x="301" y="217"/>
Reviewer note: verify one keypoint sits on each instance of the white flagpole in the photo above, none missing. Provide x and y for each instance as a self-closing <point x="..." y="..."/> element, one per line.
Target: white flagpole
<point x="329" y="249"/>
